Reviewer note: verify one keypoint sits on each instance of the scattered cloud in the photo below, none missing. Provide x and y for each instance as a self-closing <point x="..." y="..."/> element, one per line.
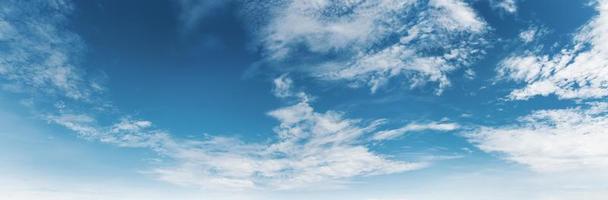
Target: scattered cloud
<point x="414" y="127"/>
<point x="456" y="15"/>
<point x="375" y="41"/>
<point x="509" y="6"/>
<point x="422" y="41"/>
<point x="469" y="74"/>
<point x="552" y="140"/>
<point x="38" y="54"/>
<point x="557" y="140"/>
<point x="577" y="72"/>
<point x="310" y="148"/>
<point x="283" y="88"/>
<point x="530" y="34"/>
<point x="126" y="133"/>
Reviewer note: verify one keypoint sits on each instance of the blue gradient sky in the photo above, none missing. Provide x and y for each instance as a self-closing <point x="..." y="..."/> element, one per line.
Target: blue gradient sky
<point x="362" y="100"/>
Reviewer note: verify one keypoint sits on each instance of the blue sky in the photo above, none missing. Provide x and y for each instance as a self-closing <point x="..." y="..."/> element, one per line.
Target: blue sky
<point x="362" y="100"/>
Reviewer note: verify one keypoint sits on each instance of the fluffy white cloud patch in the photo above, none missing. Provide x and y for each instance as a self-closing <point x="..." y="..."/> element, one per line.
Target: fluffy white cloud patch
<point x="577" y="72"/>
<point x="39" y="54"/>
<point x="311" y="148"/>
<point x="552" y="140"/>
<point x="368" y="43"/>
<point x="570" y="139"/>
<point x="283" y="88"/>
<point x="509" y="6"/>
<point x="531" y="34"/>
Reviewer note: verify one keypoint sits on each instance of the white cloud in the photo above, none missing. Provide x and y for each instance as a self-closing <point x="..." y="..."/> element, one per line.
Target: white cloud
<point x="378" y="40"/>
<point x="310" y="148"/>
<point x="509" y="6"/>
<point x="193" y="11"/>
<point x="27" y="186"/>
<point x="413" y="127"/>
<point x="127" y="133"/>
<point x="38" y="54"/>
<point x="131" y="126"/>
<point x="283" y="88"/>
<point x="469" y="74"/>
<point x="529" y="35"/>
<point x="558" y="140"/>
<point x="578" y="72"/>
<point x="456" y="15"/>
<point x="552" y="140"/>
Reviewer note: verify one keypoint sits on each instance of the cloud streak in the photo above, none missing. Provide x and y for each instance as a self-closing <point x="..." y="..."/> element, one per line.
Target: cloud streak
<point x="509" y="6"/>
<point x="193" y="11"/>
<point x="415" y="127"/>
<point x="552" y="140"/>
<point x="577" y="72"/>
<point x="568" y="139"/>
<point x="40" y="54"/>
<point x="311" y="148"/>
<point x="372" y="42"/>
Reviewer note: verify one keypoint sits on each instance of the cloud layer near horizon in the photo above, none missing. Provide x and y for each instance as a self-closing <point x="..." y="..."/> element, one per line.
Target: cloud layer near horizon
<point x="568" y="139"/>
<point x="310" y="147"/>
<point x="370" y="43"/>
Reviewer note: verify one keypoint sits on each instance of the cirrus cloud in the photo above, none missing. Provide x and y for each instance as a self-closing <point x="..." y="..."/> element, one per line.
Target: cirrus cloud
<point x="370" y="43"/>
<point x="552" y="140"/>
<point x="310" y="148"/>
<point x="40" y="55"/>
<point x="576" y="72"/>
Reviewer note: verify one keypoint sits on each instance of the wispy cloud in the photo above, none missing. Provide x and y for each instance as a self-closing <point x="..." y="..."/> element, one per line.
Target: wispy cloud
<point x="192" y="12"/>
<point x="414" y="127"/>
<point x="531" y="34"/>
<point x="283" y="88"/>
<point x="558" y="139"/>
<point x="311" y="147"/>
<point x="375" y="41"/>
<point x="509" y="6"/>
<point x="126" y="132"/>
<point x="38" y="55"/>
<point x="576" y="72"/>
<point x="552" y="140"/>
<point x="364" y="43"/>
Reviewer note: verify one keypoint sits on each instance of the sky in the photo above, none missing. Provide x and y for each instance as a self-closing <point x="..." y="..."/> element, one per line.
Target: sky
<point x="289" y="99"/>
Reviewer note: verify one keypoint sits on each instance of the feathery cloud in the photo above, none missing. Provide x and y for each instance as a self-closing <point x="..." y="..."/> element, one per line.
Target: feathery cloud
<point x="193" y="11"/>
<point x="414" y="127"/>
<point x="310" y="148"/>
<point x="552" y="140"/>
<point x="509" y="6"/>
<point x="578" y="72"/>
<point x="372" y="42"/>
<point x="38" y="55"/>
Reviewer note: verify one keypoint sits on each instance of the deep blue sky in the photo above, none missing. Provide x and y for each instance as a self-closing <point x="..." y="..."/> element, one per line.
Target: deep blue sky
<point x="391" y="100"/>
